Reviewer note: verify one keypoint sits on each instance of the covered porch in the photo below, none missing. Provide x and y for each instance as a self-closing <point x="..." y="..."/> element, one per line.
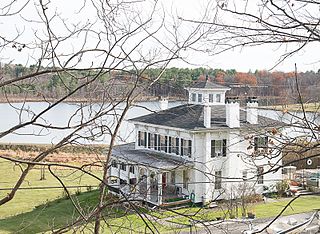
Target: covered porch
<point x="151" y="177"/>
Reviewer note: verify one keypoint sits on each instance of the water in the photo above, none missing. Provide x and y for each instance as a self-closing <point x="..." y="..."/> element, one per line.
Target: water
<point x="296" y="124"/>
<point x="68" y="114"/>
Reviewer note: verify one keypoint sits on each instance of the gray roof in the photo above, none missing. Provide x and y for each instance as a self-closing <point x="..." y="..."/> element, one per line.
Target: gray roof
<point x="149" y="158"/>
<point x="208" y="85"/>
<point x="190" y="117"/>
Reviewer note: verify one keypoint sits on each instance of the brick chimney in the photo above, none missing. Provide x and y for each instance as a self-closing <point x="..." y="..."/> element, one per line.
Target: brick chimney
<point x="232" y="113"/>
<point x="252" y="110"/>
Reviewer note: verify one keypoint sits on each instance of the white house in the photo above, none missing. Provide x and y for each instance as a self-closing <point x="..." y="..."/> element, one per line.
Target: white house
<point x="199" y="151"/>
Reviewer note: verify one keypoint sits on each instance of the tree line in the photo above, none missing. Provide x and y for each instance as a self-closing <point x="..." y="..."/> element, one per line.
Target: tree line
<point x="277" y="85"/>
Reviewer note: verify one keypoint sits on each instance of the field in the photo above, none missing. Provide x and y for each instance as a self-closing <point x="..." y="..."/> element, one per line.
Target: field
<point x="308" y="107"/>
<point x="38" y="192"/>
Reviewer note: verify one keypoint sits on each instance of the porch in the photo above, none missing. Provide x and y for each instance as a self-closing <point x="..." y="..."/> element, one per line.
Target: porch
<point x="154" y="186"/>
<point x="152" y="176"/>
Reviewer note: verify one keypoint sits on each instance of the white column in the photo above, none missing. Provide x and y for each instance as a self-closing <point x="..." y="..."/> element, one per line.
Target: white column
<point x="207" y="116"/>
<point x="148" y="184"/>
<point x="159" y="188"/>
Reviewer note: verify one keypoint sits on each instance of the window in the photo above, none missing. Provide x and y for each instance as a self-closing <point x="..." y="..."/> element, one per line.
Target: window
<point x="193" y="97"/>
<point x="210" y="97"/>
<point x="260" y="143"/>
<point x="123" y="166"/>
<point x="260" y="175"/>
<point x="142" y="139"/>
<point x="156" y="141"/>
<point x="185" y="179"/>
<point x="189" y="148"/>
<point x="131" y="169"/>
<point x="218" y="180"/>
<point x="199" y="97"/>
<point x="218" y="148"/>
<point x="218" y="97"/>
<point x="163" y="145"/>
<point x="185" y="147"/>
<point x="149" y="140"/>
<point x="114" y="164"/>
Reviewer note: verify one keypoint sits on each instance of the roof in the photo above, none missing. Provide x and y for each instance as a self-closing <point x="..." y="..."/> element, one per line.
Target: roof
<point x="190" y="117"/>
<point x="149" y="158"/>
<point x="208" y="85"/>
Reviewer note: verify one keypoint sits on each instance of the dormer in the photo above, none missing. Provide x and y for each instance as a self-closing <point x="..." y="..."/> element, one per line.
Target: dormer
<point x="207" y="93"/>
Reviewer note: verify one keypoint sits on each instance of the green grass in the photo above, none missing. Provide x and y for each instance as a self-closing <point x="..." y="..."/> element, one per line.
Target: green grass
<point x="34" y="211"/>
<point x="26" y="200"/>
<point x="44" y="217"/>
<point x="59" y="212"/>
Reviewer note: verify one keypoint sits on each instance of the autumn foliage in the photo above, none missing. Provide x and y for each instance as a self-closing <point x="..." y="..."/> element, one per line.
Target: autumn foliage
<point x="245" y="78"/>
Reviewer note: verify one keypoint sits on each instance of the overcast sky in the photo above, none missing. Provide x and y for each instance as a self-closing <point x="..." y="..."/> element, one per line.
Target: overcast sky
<point x="242" y="59"/>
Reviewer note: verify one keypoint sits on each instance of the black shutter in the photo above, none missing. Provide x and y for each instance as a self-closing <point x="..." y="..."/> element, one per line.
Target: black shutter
<point x="213" y="148"/>
<point x="159" y="143"/>
<point x="224" y="147"/>
<point x="145" y="139"/>
<point x="189" y="148"/>
<point x="170" y="144"/>
<point x="181" y="147"/>
<point x="155" y="141"/>
<point x="139" y="138"/>
<point x="177" y="146"/>
<point x="166" y="144"/>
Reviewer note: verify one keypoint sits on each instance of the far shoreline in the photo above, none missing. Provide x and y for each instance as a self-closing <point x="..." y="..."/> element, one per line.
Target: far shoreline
<point x="79" y="100"/>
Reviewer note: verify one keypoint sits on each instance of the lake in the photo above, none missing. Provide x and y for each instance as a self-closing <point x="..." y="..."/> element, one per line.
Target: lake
<point x="60" y="115"/>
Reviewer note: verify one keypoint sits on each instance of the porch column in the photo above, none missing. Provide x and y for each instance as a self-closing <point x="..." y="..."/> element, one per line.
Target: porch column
<point x="159" y="174"/>
<point x="148" y="184"/>
<point x="118" y="166"/>
<point x="128" y="180"/>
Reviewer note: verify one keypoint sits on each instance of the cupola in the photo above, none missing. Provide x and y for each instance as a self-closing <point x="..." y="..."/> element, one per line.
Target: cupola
<point x="207" y="93"/>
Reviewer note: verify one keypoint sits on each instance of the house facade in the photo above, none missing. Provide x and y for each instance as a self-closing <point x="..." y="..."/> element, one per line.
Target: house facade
<point x="200" y="151"/>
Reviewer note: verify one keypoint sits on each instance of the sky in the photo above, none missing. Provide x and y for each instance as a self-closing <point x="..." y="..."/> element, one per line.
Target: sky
<point x="242" y="59"/>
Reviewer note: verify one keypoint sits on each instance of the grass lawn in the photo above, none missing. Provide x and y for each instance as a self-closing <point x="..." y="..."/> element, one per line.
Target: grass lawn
<point x="261" y="210"/>
<point x="26" y="200"/>
<point x="59" y="212"/>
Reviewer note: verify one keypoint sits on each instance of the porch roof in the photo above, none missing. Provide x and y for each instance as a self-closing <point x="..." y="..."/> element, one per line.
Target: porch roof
<point x="150" y="158"/>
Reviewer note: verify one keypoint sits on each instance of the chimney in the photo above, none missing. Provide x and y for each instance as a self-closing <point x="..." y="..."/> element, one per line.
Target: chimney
<point x="207" y="116"/>
<point x="232" y="113"/>
<point x="164" y="103"/>
<point x="252" y="110"/>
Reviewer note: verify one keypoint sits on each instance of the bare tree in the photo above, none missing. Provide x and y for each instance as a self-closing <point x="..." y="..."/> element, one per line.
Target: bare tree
<point x="92" y="53"/>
